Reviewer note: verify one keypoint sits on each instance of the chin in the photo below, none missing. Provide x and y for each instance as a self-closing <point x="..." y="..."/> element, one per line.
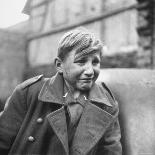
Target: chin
<point x="85" y="88"/>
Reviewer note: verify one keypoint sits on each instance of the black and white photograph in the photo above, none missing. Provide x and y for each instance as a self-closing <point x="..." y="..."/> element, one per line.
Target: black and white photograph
<point x="77" y="77"/>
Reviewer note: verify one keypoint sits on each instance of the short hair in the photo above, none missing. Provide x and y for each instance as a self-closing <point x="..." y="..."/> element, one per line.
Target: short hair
<point x="82" y="41"/>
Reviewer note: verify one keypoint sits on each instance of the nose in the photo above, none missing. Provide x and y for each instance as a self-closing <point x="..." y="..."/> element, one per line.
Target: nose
<point x="89" y="70"/>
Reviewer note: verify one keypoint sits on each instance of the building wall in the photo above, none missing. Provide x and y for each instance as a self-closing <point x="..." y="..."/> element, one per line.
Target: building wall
<point x="118" y="31"/>
<point x="122" y="25"/>
<point x="12" y="61"/>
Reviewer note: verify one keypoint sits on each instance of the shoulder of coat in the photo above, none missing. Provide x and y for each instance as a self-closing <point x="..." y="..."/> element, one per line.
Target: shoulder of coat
<point x="108" y="90"/>
<point x="31" y="81"/>
<point x="115" y="107"/>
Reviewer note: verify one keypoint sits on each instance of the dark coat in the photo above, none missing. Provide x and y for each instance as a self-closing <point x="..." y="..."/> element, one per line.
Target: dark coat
<point x="34" y="121"/>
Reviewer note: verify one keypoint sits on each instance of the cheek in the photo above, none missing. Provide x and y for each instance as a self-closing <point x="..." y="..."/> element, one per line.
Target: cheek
<point x="76" y="73"/>
<point x="96" y="72"/>
<point x="72" y="73"/>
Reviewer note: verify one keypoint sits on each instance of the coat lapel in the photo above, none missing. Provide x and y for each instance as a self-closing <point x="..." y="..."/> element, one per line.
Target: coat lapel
<point x="57" y="120"/>
<point x="91" y="128"/>
<point x="93" y="123"/>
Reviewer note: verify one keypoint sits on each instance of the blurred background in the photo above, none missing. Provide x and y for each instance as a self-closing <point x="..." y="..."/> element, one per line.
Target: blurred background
<point x="29" y="47"/>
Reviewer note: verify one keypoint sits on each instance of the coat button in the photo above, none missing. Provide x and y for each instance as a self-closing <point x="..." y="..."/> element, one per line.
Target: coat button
<point x="31" y="139"/>
<point x="39" y="120"/>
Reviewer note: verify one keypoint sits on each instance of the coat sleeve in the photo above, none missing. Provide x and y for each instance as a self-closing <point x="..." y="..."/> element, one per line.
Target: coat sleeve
<point x="110" y="143"/>
<point x="11" y="119"/>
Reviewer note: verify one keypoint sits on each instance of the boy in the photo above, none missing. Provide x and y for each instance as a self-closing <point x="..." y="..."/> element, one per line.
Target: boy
<point x="68" y="114"/>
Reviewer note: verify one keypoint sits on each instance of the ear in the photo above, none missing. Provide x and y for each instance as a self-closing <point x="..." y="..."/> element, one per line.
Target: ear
<point x="58" y="64"/>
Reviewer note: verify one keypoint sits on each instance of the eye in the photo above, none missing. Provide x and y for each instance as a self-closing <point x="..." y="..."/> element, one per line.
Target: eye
<point x="96" y="61"/>
<point x="80" y="61"/>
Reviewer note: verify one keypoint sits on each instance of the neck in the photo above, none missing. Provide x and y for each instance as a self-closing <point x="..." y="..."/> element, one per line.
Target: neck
<point x="75" y="93"/>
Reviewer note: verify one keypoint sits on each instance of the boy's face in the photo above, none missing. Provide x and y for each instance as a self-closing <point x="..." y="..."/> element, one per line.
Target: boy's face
<point x="81" y="72"/>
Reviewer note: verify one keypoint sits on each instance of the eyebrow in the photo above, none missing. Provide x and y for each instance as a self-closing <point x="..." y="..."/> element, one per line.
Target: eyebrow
<point x="85" y="53"/>
<point x="85" y="57"/>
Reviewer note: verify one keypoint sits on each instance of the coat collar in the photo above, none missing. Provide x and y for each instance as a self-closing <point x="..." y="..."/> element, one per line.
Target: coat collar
<point x="53" y="91"/>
